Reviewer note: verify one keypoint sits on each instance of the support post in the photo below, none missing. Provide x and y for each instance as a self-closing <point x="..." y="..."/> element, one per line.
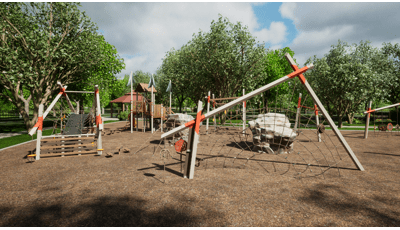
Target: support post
<point x="325" y="113"/>
<point x="193" y="139"/>
<point x="162" y="117"/>
<point x="208" y="110"/>
<point x="367" y="122"/>
<point x="137" y="116"/>
<point x="152" y="109"/>
<point x="214" y="118"/>
<point x="39" y="131"/>
<point x="77" y="107"/>
<point x="317" y="121"/>
<point x="244" y="114"/>
<point x="111" y="109"/>
<point x="99" y="121"/>
<point x="297" y="113"/>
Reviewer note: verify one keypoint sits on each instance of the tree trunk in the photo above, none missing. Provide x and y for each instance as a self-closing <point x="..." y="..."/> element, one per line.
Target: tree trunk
<point x="340" y="121"/>
<point x="350" y="117"/>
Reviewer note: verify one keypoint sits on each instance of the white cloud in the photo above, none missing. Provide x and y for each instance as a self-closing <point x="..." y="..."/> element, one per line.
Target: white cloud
<point x="152" y="29"/>
<point x="287" y="10"/>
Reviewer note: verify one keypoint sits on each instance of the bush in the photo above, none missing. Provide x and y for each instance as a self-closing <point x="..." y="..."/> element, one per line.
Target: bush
<point x="123" y="115"/>
<point x="356" y="121"/>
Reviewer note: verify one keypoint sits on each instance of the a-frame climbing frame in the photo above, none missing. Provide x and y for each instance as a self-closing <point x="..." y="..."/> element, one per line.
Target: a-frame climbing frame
<point x="195" y="124"/>
<point x="39" y="124"/>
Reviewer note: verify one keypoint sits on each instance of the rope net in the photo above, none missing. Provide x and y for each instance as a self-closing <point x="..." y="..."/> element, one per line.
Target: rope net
<point x="270" y="141"/>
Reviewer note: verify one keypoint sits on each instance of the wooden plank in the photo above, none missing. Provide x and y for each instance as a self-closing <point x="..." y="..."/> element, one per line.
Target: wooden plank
<point x="70" y="91"/>
<point x="69" y="150"/>
<point x="243" y="98"/>
<point x="67" y="139"/>
<point x="65" y="146"/>
<point x="71" y="153"/>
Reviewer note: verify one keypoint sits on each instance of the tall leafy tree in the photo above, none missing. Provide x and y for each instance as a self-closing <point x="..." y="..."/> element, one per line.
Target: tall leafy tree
<point x="348" y="76"/>
<point x="42" y="43"/>
<point x="393" y="52"/>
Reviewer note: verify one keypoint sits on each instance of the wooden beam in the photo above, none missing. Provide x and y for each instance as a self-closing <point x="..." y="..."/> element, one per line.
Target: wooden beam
<point x="228" y="98"/>
<point x="39" y="133"/>
<point x="386" y="107"/>
<point x="194" y="134"/>
<point x="329" y="119"/>
<point x="78" y="91"/>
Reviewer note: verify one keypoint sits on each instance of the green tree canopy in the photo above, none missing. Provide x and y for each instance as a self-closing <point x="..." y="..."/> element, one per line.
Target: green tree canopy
<point x="42" y="43"/>
<point x="348" y="76"/>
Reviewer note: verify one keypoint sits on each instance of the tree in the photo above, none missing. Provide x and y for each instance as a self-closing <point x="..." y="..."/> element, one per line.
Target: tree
<point x="393" y="53"/>
<point x="346" y="78"/>
<point x="42" y="43"/>
<point x="275" y="67"/>
<point x="223" y="61"/>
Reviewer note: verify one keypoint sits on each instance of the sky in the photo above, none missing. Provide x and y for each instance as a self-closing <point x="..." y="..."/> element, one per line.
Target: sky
<point x="142" y="32"/>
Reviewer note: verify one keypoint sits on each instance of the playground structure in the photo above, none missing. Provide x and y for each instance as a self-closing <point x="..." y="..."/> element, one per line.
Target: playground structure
<point x="73" y="140"/>
<point x="380" y="127"/>
<point x="142" y="106"/>
<point x="194" y="125"/>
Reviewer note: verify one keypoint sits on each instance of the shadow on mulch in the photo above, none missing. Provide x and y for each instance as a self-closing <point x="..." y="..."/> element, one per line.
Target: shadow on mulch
<point x="323" y="196"/>
<point x="387" y="154"/>
<point x="104" y="211"/>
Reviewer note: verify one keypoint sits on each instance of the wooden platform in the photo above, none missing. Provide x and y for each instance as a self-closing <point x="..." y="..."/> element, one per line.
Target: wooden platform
<point x="68" y="146"/>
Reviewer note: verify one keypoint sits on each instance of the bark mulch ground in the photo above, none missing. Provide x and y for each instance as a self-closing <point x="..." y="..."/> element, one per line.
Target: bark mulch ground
<point x="134" y="189"/>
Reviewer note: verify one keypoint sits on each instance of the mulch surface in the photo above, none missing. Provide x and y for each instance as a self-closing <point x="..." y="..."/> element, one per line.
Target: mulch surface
<point x="134" y="189"/>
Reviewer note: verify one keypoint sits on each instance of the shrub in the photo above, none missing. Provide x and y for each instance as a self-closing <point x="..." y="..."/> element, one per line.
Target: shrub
<point x="123" y="115"/>
<point x="356" y="121"/>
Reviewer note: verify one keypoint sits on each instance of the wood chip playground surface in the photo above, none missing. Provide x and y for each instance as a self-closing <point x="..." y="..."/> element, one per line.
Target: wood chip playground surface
<point x="133" y="189"/>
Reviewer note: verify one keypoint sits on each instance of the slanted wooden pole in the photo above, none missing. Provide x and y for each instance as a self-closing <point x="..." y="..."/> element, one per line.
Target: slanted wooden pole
<point x="208" y="110"/>
<point x="386" y="107"/>
<point x="33" y="130"/>
<point x="241" y="99"/>
<point x="67" y="98"/>
<point x="244" y="114"/>
<point x="325" y="113"/>
<point x="39" y="131"/>
<point x="99" y="121"/>
<point x="297" y="113"/>
<point x="194" y="134"/>
<point x="367" y="122"/>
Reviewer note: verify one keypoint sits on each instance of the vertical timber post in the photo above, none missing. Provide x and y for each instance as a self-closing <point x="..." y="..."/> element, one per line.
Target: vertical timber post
<point x="77" y="107"/>
<point x="99" y="122"/>
<point x="317" y="121"/>
<point x="244" y="115"/>
<point x="152" y="109"/>
<point x="367" y="122"/>
<point x="137" y="116"/>
<point x="214" y="119"/>
<point x="208" y="110"/>
<point x="162" y="117"/>
<point x="297" y="113"/>
<point x="39" y="131"/>
<point x="194" y="135"/>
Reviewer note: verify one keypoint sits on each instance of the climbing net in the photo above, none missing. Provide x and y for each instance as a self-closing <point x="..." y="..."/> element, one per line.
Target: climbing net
<point x="272" y="141"/>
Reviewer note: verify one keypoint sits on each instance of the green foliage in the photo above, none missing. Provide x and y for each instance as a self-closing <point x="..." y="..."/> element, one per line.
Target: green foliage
<point x="393" y="86"/>
<point x="123" y="115"/>
<point x="42" y="43"/>
<point x="349" y="76"/>
<point x="223" y="61"/>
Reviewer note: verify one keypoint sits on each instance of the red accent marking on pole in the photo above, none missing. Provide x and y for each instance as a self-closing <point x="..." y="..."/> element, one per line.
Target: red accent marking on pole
<point x="96" y="91"/>
<point x="39" y="123"/>
<point x="191" y="123"/>
<point x="208" y="99"/>
<point x="62" y="91"/>
<point x="299" y="103"/>
<point x="316" y="109"/>
<point x="214" y="104"/>
<point x="198" y="120"/>
<point x="301" y="76"/>
<point x="98" y="120"/>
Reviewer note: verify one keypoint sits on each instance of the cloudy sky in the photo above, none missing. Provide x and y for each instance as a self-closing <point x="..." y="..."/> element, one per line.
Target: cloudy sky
<point x="143" y="32"/>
